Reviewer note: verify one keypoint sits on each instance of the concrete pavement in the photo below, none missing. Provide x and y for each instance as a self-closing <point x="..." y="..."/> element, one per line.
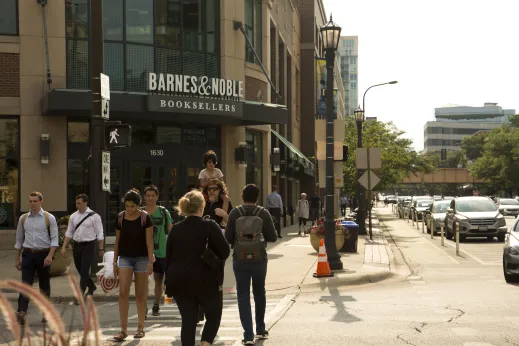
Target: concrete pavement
<point x="292" y="261"/>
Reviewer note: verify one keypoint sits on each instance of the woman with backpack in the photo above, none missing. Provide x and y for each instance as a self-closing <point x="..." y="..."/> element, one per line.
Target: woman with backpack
<point x="133" y="255"/>
<point x="195" y="252"/>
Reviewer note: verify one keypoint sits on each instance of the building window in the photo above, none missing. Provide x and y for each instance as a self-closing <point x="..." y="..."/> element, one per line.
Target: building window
<point x="254" y="159"/>
<point x="9" y="173"/>
<point x="253" y="29"/>
<point x="9" y="17"/>
<point x="166" y="36"/>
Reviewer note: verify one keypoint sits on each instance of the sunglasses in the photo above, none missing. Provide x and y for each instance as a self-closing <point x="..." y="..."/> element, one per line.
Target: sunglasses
<point x="212" y="188"/>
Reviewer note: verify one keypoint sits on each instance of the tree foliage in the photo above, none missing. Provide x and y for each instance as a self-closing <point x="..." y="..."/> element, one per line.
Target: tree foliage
<point x="472" y="146"/>
<point x="398" y="158"/>
<point x="499" y="162"/>
<point x="454" y="158"/>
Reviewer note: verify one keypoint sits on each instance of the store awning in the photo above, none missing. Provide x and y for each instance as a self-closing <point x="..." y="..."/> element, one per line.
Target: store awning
<point x="303" y="160"/>
<point x="131" y="106"/>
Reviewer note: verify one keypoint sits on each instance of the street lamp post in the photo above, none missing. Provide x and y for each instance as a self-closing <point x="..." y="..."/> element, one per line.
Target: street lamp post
<point x="331" y="34"/>
<point x="360" y="117"/>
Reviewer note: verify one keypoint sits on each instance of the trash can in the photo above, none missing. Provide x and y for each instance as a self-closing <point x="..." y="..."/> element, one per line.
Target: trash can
<point x="350" y="244"/>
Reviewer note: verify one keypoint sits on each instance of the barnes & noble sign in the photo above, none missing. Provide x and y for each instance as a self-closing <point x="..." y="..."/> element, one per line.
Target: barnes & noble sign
<point x="203" y="95"/>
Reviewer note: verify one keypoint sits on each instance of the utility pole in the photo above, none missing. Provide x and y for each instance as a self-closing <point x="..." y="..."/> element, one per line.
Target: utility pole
<point x="98" y="198"/>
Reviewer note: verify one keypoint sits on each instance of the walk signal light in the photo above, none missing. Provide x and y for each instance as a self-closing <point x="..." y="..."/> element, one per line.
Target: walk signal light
<point x="118" y="136"/>
<point x="444" y="154"/>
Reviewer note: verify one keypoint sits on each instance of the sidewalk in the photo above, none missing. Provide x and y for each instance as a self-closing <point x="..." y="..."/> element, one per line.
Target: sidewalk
<point x="292" y="262"/>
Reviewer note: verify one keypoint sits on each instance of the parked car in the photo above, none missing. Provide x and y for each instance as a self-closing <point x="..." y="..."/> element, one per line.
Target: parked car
<point x="391" y="199"/>
<point x="508" y="206"/>
<point x="448" y="198"/>
<point x="414" y="201"/>
<point x="437" y="198"/>
<point x="474" y="217"/>
<point x="419" y="207"/>
<point x="435" y="215"/>
<point x="511" y="254"/>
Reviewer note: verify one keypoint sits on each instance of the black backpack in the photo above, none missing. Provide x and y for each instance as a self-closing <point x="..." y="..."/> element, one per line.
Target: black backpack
<point x="250" y="244"/>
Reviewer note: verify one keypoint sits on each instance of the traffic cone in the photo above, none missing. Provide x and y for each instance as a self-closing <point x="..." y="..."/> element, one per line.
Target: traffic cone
<point x="323" y="267"/>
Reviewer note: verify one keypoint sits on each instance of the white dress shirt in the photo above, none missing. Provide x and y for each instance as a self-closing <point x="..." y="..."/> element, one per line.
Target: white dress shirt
<point x="90" y="229"/>
<point x="34" y="233"/>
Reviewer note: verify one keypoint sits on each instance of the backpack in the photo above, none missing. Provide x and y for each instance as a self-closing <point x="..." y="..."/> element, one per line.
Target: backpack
<point x="164" y="216"/>
<point x="120" y="218"/>
<point x="45" y="216"/>
<point x="250" y="243"/>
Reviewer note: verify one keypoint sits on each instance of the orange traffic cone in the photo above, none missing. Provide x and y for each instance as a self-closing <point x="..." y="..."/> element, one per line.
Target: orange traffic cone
<point x="323" y="267"/>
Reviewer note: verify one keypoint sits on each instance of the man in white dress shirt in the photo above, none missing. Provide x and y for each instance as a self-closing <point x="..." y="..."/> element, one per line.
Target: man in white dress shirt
<point x="85" y="228"/>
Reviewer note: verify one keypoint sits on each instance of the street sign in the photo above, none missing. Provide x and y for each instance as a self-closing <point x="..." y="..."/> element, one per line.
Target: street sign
<point x="369" y="180"/>
<point x="105" y="109"/>
<point x="105" y="86"/>
<point x="118" y="136"/>
<point x="105" y="171"/>
<point x="375" y="158"/>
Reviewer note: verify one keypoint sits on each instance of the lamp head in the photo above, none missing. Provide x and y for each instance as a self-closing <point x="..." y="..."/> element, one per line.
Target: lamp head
<point x="359" y="115"/>
<point x="331" y="35"/>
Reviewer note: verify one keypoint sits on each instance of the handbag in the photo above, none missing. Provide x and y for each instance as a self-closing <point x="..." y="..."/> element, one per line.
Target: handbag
<point x="208" y="257"/>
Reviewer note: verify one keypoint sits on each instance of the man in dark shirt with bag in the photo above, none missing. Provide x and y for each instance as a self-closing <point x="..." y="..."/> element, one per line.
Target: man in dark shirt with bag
<point x="249" y="228"/>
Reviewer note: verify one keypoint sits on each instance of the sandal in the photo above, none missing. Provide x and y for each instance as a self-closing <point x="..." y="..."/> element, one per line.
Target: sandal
<point x="139" y="335"/>
<point x="121" y="336"/>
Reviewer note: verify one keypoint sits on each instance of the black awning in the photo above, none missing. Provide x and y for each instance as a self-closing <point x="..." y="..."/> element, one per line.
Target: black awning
<point x="134" y="106"/>
<point x="307" y="165"/>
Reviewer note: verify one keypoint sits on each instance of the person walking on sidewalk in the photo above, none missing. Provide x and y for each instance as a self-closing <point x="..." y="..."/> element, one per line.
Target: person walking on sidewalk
<point x="36" y="242"/>
<point x="274" y="206"/>
<point x="134" y="249"/>
<point x="195" y="255"/>
<point x="162" y="225"/>
<point x="303" y="211"/>
<point x="84" y="227"/>
<point x="249" y="229"/>
<point x="344" y="204"/>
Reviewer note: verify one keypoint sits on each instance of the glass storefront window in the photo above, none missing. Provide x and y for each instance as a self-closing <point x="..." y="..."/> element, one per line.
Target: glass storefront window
<point x="192" y="20"/>
<point x="254" y="159"/>
<point x="167" y="23"/>
<point x="169" y="135"/>
<point x="8" y="17"/>
<point x="77" y="181"/>
<point x="77" y="18"/>
<point x="139" y="21"/>
<point x="253" y="30"/>
<point x="211" y="27"/>
<point x="139" y="62"/>
<point x="9" y="173"/>
<point x="78" y="132"/>
<point x="113" y="20"/>
<point x="142" y="134"/>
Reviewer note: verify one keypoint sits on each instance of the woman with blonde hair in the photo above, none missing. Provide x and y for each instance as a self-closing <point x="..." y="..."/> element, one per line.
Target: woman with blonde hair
<point x="195" y="253"/>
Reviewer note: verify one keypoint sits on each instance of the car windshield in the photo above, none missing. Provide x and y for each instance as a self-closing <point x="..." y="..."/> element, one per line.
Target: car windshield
<point x="440" y="207"/>
<point x="474" y="205"/>
<point x="508" y="202"/>
<point x="424" y="204"/>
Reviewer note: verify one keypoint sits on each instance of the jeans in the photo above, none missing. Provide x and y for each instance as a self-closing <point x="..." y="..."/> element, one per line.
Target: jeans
<point x="138" y="264"/>
<point x="245" y="272"/>
<point x="83" y="257"/>
<point x="276" y="216"/>
<point x="33" y="263"/>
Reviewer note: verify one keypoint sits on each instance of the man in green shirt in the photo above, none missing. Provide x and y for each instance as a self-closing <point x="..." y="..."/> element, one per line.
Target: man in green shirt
<point x="162" y="224"/>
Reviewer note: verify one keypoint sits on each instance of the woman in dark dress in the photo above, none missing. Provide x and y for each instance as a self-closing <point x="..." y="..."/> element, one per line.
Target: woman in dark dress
<point x="216" y="208"/>
<point x="133" y="255"/>
<point x="188" y="278"/>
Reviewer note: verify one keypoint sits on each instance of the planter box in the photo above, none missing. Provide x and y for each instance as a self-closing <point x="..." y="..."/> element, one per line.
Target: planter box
<point x="315" y="240"/>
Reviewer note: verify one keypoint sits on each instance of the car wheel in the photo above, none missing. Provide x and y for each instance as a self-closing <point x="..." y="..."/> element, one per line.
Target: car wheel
<point x="508" y="277"/>
<point x="490" y="238"/>
<point x="501" y="238"/>
<point x="463" y="237"/>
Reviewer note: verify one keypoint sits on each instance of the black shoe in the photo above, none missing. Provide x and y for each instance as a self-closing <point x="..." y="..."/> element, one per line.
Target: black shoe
<point x="155" y="311"/>
<point x="279" y="236"/>
<point x="247" y="342"/>
<point x="43" y="319"/>
<point x="91" y="291"/>
<point x="20" y="316"/>
<point x="262" y="336"/>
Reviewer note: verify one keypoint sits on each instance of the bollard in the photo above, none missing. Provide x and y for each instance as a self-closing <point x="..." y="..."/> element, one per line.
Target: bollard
<point x="457" y="241"/>
<point x="433" y="228"/>
<point x="442" y="230"/>
<point x="423" y="223"/>
<point x="406" y="216"/>
<point x="417" y="223"/>
<point x="412" y="220"/>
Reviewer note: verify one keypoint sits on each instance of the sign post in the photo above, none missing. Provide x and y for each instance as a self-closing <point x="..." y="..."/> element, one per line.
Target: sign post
<point x="105" y="172"/>
<point x="369" y="158"/>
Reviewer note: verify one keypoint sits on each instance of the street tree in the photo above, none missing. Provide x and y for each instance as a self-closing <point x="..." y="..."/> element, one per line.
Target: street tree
<point x="398" y="157"/>
<point x="472" y="146"/>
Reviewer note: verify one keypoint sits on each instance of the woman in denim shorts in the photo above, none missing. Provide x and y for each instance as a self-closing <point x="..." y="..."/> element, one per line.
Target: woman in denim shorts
<point x="134" y="249"/>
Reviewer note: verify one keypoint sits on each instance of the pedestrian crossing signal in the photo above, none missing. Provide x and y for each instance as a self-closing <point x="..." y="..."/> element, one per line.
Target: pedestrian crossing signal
<point x="444" y="154"/>
<point x="118" y="136"/>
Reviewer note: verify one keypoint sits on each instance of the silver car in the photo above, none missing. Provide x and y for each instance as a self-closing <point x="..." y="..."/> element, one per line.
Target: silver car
<point x="511" y="254"/>
<point x="508" y="206"/>
<point x="474" y="217"/>
<point x="435" y="216"/>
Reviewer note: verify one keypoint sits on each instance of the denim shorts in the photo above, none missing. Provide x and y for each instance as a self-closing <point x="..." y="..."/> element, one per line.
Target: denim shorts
<point x="138" y="264"/>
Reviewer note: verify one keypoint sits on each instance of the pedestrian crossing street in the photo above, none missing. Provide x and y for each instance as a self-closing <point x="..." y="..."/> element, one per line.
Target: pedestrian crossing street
<point x="166" y="327"/>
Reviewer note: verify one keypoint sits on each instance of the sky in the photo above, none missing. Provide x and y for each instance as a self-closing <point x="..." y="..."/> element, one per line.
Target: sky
<point x="440" y="52"/>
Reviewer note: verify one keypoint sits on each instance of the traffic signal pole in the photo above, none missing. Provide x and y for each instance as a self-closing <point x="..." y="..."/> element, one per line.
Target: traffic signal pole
<point x="98" y="198"/>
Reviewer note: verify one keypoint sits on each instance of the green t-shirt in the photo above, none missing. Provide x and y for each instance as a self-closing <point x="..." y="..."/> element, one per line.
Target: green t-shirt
<point x="159" y="234"/>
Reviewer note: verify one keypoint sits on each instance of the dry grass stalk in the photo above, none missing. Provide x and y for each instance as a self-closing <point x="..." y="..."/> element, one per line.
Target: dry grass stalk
<point x="77" y="293"/>
<point x="10" y="319"/>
